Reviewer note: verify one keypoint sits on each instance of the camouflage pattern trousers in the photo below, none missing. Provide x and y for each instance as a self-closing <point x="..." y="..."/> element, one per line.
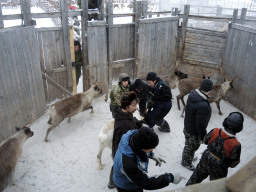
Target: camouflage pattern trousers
<point x="192" y="143"/>
<point x="208" y="165"/>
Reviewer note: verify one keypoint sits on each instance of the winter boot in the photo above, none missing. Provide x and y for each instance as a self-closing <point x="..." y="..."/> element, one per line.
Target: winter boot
<point x="189" y="167"/>
<point x="165" y="127"/>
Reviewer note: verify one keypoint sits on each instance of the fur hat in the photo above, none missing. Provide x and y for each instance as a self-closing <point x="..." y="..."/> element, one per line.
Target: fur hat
<point x="138" y="84"/>
<point x="145" y="138"/>
<point x="127" y="98"/>
<point x="151" y="76"/>
<point x="124" y="77"/>
<point x="206" y="85"/>
<point x="234" y="121"/>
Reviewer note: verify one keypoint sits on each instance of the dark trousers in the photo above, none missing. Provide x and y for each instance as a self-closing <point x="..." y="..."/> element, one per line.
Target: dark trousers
<point x="112" y="107"/>
<point x="142" y="107"/>
<point x="157" y="114"/>
<point x="208" y="165"/>
<point x="192" y="143"/>
<point x="135" y="190"/>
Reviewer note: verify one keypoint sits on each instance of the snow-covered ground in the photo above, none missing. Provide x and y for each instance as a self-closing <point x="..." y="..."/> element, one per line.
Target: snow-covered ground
<point x="68" y="162"/>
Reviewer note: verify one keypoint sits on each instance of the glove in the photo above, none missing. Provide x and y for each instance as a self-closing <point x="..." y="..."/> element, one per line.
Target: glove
<point x="177" y="178"/>
<point x="158" y="160"/>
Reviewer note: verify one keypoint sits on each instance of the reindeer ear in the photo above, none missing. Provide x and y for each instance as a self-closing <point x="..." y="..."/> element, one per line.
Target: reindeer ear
<point x="17" y="128"/>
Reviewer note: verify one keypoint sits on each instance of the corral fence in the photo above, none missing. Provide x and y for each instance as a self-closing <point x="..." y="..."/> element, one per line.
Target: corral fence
<point x="147" y="44"/>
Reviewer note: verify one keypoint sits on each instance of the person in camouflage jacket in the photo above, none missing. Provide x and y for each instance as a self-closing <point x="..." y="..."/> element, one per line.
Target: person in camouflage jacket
<point x="118" y="90"/>
<point x="78" y="60"/>
<point x="223" y="150"/>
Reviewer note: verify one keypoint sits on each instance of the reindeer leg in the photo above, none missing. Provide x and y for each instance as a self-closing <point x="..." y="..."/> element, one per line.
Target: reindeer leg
<point x="218" y="106"/>
<point x="100" y="165"/>
<point x="48" y="131"/>
<point x="182" y="99"/>
<point x="69" y="120"/>
<point x="183" y="111"/>
<point x="91" y="107"/>
<point x="178" y="101"/>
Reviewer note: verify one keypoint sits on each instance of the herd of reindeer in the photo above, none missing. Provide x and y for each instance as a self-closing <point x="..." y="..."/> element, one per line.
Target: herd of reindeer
<point x="11" y="148"/>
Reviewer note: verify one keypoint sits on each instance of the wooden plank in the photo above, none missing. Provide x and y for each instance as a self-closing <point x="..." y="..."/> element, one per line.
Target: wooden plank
<point x="206" y="37"/>
<point x="48" y="29"/>
<point x="243" y="15"/>
<point x="203" y="42"/>
<point x="26" y="12"/>
<point x="244" y="28"/>
<point x="1" y="19"/>
<point x="234" y="18"/>
<point x="84" y="26"/>
<point x="207" y="32"/>
<point x="160" y="19"/>
<point x="65" y="27"/>
<point x="244" y="179"/>
<point x="72" y="51"/>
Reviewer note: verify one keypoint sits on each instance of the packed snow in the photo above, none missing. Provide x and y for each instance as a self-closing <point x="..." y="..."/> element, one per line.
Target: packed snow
<point x="69" y="163"/>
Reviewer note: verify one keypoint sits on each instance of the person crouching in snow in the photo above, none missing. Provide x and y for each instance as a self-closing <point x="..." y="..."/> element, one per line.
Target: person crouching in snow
<point x="159" y="104"/>
<point x="223" y="150"/>
<point x="131" y="163"/>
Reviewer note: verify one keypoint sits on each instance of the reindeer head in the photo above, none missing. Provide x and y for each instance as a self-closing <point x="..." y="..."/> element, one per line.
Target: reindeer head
<point x="180" y="75"/>
<point x="228" y="84"/>
<point x="97" y="90"/>
<point x="26" y="130"/>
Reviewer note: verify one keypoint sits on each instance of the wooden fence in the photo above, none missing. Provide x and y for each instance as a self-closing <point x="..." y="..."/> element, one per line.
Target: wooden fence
<point x="239" y="60"/>
<point x="21" y="87"/>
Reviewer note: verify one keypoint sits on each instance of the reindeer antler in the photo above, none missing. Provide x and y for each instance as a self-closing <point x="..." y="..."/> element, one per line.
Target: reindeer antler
<point x="222" y="73"/>
<point x="16" y="120"/>
<point x="32" y="118"/>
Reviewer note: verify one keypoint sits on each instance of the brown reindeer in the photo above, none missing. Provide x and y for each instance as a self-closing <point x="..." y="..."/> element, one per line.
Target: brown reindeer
<point x="71" y="106"/>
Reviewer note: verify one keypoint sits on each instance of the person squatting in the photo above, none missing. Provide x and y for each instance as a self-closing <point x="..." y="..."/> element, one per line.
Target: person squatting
<point x="133" y="144"/>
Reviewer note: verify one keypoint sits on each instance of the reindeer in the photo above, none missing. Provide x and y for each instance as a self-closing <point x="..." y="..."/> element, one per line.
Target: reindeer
<point x="71" y="106"/>
<point x="176" y="75"/>
<point x="218" y="92"/>
<point x="10" y="151"/>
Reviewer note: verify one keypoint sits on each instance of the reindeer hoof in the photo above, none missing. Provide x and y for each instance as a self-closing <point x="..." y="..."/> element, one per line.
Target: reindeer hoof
<point x="220" y="114"/>
<point x="46" y="140"/>
<point x="100" y="167"/>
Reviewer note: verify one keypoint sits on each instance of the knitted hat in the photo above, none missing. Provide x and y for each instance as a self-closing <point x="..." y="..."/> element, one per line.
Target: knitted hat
<point x="124" y="77"/>
<point x="138" y="84"/>
<point x="206" y="85"/>
<point x="151" y="76"/>
<point x="145" y="138"/>
<point x="234" y="122"/>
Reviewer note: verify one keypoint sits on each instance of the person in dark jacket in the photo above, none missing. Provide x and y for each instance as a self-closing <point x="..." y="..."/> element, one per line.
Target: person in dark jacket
<point x="78" y="60"/>
<point x="141" y="89"/>
<point x="131" y="163"/>
<point x="197" y="115"/>
<point x="124" y="121"/>
<point x="159" y="104"/>
<point x="223" y="150"/>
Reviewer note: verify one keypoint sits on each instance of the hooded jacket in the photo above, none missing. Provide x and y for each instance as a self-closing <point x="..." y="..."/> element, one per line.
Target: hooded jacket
<point x="198" y="113"/>
<point x="123" y="123"/>
<point x="130" y="172"/>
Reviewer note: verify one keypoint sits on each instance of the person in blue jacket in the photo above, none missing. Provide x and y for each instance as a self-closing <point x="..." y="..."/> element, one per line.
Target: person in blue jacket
<point x="131" y="163"/>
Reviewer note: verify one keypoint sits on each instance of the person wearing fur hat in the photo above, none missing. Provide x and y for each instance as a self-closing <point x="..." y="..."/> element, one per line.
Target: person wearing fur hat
<point x="131" y="163"/>
<point x="197" y="116"/>
<point x="159" y="104"/>
<point x="118" y="90"/>
<point x="78" y="60"/>
<point x="223" y="150"/>
<point x="141" y="88"/>
<point x="124" y="121"/>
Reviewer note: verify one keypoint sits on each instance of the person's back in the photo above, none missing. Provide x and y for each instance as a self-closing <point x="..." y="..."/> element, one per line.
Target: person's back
<point x="223" y="150"/>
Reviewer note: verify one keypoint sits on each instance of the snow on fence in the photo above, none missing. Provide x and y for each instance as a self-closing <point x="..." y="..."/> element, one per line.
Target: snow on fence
<point x="21" y="87"/>
<point x="239" y="59"/>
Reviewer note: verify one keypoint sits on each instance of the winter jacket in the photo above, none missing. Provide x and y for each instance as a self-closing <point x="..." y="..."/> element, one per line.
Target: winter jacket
<point x="232" y="147"/>
<point x="79" y="62"/>
<point x="123" y="123"/>
<point x="130" y="172"/>
<point x="160" y="93"/>
<point x="116" y="94"/>
<point x="198" y="113"/>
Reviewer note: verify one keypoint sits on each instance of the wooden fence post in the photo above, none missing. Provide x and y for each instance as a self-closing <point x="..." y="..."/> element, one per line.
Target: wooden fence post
<point x="26" y="12"/>
<point x="66" y="41"/>
<point x="234" y="18"/>
<point x="144" y="9"/>
<point x="243" y="15"/>
<point x="101" y="11"/>
<point x="1" y="18"/>
<point x="73" y="59"/>
<point x="109" y="10"/>
<point x="219" y="10"/>
<point x="84" y="26"/>
<point x="183" y="29"/>
<point x="138" y="14"/>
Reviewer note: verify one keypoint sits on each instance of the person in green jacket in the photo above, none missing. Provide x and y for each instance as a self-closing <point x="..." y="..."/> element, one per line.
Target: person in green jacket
<point x="78" y="60"/>
<point x="118" y="90"/>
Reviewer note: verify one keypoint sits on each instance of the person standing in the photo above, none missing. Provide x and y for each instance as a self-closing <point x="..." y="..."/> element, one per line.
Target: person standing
<point x="223" y="150"/>
<point x="159" y="104"/>
<point x="197" y="116"/>
<point x="131" y="163"/>
<point x="118" y="90"/>
<point x="141" y="89"/>
<point x="124" y="121"/>
<point x="78" y="60"/>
